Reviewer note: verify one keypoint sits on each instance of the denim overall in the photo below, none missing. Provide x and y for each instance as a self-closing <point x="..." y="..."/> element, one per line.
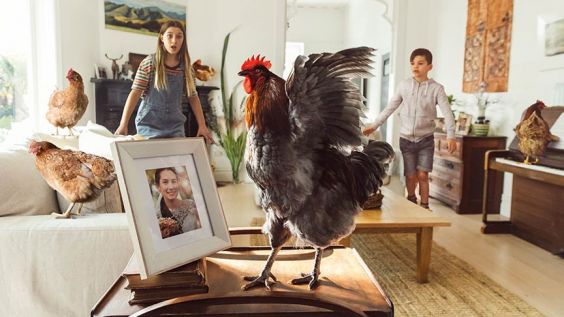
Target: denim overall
<point x="160" y="113"/>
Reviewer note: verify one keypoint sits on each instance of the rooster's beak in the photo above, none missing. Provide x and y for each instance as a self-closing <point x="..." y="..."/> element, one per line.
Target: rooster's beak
<point x="243" y="73"/>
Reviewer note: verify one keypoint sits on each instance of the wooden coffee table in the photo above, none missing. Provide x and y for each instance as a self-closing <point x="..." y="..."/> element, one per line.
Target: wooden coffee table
<point x="398" y="215"/>
<point x="347" y="288"/>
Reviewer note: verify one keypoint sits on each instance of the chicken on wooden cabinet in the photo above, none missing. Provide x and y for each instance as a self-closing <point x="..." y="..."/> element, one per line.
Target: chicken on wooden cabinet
<point x="67" y="106"/>
<point x="533" y="133"/>
<point x="203" y="72"/>
<point x="300" y="136"/>
<point x="78" y="176"/>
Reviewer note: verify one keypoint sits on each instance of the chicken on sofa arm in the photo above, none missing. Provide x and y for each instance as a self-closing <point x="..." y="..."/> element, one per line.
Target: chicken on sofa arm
<point x="78" y="176"/>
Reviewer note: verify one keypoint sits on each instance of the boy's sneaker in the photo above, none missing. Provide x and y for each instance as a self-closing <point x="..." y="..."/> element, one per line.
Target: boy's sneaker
<point x="412" y="199"/>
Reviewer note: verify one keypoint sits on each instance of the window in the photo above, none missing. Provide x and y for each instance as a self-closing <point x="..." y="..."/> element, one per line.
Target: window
<point x="15" y="66"/>
<point x="293" y="50"/>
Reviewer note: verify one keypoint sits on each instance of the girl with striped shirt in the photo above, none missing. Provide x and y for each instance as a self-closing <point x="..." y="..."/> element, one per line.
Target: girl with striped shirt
<point x="161" y="81"/>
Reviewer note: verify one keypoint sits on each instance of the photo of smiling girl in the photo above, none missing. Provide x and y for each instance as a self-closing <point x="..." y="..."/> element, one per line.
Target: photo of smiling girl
<point x="174" y="202"/>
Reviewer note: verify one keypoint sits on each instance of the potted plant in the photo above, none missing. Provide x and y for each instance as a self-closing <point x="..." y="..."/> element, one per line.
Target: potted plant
<point x="234" y="136"/>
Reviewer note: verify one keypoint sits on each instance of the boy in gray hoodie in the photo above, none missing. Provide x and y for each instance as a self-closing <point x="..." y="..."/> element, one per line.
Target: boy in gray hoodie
<point x="418" y="97"/>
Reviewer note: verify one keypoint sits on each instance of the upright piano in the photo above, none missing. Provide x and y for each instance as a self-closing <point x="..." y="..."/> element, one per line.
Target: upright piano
<point x="537" y="199"/>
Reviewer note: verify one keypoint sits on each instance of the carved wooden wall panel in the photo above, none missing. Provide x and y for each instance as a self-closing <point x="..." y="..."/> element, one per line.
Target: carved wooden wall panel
<point x="488" y="43"/>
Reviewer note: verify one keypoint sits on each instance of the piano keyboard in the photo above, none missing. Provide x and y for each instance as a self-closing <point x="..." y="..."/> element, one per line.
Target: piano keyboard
<point x="539" y="168"/>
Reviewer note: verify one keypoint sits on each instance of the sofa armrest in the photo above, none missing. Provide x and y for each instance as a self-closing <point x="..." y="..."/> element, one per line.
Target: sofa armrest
<point x="60" y="267"/>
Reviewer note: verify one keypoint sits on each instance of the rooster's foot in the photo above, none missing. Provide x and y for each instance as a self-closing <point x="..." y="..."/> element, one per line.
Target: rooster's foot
<point x="312" y="279"/>
<point x="262" y="280"/>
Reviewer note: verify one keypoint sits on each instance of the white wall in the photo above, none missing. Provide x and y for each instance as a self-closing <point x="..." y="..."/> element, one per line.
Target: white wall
<point x="440" y="25"/>
<point x="320" y="29"/>
<point x="79" y="42"/>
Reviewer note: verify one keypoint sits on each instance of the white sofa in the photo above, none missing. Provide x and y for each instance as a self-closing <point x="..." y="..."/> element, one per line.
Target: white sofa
<point x="52" y="267"/>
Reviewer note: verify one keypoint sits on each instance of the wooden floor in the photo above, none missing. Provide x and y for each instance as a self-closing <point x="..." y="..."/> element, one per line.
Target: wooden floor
<point x="532" y="273"/>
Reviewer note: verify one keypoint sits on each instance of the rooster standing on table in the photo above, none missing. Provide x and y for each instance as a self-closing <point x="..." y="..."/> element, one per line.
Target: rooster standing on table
<point x="298" y="131"/>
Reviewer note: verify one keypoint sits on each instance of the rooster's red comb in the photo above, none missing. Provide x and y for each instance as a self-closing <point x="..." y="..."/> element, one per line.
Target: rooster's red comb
<point x="252" y="62"/>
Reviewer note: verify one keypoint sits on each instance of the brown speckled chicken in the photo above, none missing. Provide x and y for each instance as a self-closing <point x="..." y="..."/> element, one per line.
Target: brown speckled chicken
<point x="203" y="72"/>
<point x="533" y="133"/>
<point x="67" y="106"/>
<point x="302" y="151"/>
<point x="78" y="176"/>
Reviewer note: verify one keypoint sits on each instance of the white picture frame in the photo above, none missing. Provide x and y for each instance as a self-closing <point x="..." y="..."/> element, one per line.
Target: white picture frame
<point x="135" y="162"/>
<point x="463" y="123"/>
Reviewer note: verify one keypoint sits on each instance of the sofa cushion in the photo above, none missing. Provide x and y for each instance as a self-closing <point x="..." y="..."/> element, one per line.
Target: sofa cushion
<point x="23" y="190"/>
<point x="60" y="267"/>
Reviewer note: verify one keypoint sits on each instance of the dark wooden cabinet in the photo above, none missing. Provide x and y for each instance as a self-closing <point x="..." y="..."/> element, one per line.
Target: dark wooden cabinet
<point x="457" y="179"/>
<point x="111" y="95"/>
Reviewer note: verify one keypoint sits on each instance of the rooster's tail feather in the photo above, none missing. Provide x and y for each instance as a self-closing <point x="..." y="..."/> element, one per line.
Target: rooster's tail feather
<point x="369" y="168"/>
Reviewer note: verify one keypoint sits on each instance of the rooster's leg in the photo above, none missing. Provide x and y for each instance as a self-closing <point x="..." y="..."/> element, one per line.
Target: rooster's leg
<point x="279" y="234"/>
<point x="70" y="131"/>
<point x="311" y="278"/>
<point x="263" y="278"/>
<point x="66" y="214"/>
<point x="527" y="160"/>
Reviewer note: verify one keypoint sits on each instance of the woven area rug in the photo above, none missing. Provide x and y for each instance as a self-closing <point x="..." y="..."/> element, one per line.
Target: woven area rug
<point x="454" y="288"/>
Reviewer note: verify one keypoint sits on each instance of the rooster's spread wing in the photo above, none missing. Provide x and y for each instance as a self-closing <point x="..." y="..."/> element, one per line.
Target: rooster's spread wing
<point x="324" y="104"/>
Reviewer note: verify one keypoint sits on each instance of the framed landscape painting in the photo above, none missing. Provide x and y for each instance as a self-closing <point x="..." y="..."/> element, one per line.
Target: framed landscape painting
<point x="142" y="16"/>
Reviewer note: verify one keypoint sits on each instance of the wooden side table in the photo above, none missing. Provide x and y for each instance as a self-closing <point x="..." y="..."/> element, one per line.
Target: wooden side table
<point x="347" y="288"/>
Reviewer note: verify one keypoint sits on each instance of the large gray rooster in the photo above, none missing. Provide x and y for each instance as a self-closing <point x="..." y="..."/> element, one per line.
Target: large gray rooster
<point x="299" y="133"/>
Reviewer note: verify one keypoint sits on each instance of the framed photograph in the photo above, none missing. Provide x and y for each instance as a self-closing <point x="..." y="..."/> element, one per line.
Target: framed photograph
<point x="101" y="72"/>
<point x="550" y="34"/>
<point x="144" y="17"/>
<point x="463" y="123"/>
<point x="171" y="201"/>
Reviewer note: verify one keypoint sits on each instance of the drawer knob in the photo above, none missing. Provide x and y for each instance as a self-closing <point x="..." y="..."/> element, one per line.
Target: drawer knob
<point x="449" y="186"/>
<point x="450" y="165"/>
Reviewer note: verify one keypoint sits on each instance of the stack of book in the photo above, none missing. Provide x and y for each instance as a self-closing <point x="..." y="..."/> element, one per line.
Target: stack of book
<point x="181" y="281"/>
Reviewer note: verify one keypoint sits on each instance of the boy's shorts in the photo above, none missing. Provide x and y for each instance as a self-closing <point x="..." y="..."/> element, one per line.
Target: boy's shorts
<point x="417" y="156"/>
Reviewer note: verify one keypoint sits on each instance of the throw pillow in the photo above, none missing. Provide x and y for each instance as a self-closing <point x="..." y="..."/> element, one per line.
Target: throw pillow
<point x="23" y="191"/>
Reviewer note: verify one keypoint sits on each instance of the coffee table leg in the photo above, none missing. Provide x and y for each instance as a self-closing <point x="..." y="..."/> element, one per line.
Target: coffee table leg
<point x="346" y="241"/>
<point x="424" y="243"/>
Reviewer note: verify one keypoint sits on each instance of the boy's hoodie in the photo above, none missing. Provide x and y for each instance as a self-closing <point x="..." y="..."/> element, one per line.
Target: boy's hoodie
<point x="418" y="109"/>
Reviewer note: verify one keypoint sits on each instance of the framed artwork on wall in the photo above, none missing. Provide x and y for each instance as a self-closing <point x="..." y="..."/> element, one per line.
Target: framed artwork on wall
<point x="144" y="17"/>
<point x="488" y="45"/>
<point x="171" y="201"/>
<point x="550" y="34"/>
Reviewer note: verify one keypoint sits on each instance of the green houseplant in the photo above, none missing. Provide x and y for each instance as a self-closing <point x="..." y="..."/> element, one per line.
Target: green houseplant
<point x="233" y="137"/>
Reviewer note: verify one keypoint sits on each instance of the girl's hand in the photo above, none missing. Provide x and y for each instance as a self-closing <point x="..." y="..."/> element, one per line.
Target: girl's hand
<point x="121" y="130"/>
<point x="204" y="132"/>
